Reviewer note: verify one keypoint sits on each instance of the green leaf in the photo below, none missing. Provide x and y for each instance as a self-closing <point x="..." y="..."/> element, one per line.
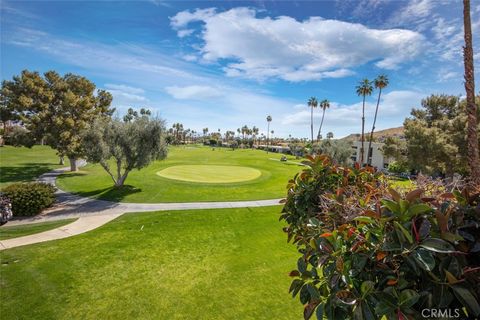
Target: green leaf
<point x="408" y="298"/>
<point x="304" y="295"/>
<point x="314" y="294"/>
<point x="437" y="245"/>
<point x="367" y="287"/>
<point x="295" y="286"/>
<point x="392" y="206"/>
<point x="404" y="204"/>
<point x="404" y="231"/>
<point x="314" y="222"/>
<point x="424" y="259"/>
<point x="319" y="312"/>
<point x="467" y="299"/>
<point x="357" y="312"/>
<point x="417" y="209"/>
<point x="302" y="266"/>
<point x="364" y="219"/>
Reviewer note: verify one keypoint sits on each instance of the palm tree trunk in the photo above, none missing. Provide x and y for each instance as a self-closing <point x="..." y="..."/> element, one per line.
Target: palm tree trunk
<point x="369" y="159"/>
<point x="268" y="134"/>
<point x="362" y="150"/>
<point x="320" y="129"/>
<point x="472" y="138"/>
<point x="311" y="124"/>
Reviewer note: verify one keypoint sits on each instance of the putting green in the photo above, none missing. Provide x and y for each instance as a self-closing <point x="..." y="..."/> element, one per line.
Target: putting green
<point x="210" y="173"/>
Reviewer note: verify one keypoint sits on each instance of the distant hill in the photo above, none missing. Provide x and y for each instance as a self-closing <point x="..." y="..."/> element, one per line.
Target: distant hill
<point x="379" y="136"/>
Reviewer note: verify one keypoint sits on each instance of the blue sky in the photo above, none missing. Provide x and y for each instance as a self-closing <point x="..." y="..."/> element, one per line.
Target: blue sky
<point x="230" y="63"/>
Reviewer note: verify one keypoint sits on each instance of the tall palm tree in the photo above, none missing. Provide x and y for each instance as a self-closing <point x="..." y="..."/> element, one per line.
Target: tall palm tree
<point x="312" y="103"/>
<point x="472" y="138"/>
<point x="324" y="104"/>
<point x="380" y="82"/>
<point x="364" y="89"/>
<point x="269" y="119"/>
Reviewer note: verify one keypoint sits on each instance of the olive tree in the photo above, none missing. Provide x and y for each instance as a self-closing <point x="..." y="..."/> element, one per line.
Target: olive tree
<point x="125" y="145"/>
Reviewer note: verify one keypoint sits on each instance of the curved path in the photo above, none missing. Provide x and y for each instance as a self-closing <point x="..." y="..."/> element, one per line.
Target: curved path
<point x="92" y="213"/>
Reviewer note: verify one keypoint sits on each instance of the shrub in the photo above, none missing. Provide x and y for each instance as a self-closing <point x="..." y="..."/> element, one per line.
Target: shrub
<point x="29" y="199"/>
<point x="368" y="252"/>
<point x="397" y="167"/>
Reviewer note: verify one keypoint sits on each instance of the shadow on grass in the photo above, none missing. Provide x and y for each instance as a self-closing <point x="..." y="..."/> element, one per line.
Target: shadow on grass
<point x="111" y="193"/>
<point x="26" y="172"/>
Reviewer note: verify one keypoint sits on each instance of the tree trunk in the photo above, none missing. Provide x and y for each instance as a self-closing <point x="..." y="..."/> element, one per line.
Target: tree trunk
<point x="311" y="124"/>
<point x="73" y="164"/>
<point x="120" y="182"/>
<point x="268" y="134"/>
<point x="369" y="159"/>
<point x="472" y="139"/>
<point x="61" y="160"/>
<point x="362" y="149"/>
<point x="320" y="129"/>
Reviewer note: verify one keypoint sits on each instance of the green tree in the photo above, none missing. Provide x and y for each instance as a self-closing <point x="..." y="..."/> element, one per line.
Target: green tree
<point x="396" y="149"/>
<point x="380" y="83"/>
<point x="472" y="116"/>
<point x="364" y="89"/>
<point x="340" y="151"/>
<point x="329" y="135"/>
<point x="324" y="104"/>
<point x="312" y="103"/>
<point x="436" y="136"/>
<point x="129" y="145"/>
<point x="56" y="108"/>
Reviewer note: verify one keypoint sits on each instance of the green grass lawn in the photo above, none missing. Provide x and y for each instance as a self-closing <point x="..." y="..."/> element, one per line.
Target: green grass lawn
<point x="402" y="184"/>
<point x="197" y="264"/>
<point x="24" y="164"/>
<point x="147" y="186"/>
<point x="8" y="232"/>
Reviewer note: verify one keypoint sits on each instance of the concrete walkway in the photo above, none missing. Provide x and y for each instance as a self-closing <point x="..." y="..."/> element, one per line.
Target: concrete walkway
<point x="92" y="213"/>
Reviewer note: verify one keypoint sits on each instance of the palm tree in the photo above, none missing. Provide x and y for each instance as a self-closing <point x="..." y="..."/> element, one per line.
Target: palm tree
<point x="364" y="89"/>
<point x="269" y="119"/>
<point x="380" y="82"/>
<point x="312" y="103"/>
<point x="472" y="138"/>
<point x="325" y="104"/>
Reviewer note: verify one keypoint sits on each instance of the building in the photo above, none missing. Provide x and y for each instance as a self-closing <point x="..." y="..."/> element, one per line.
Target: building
<point x="378" y="160"/>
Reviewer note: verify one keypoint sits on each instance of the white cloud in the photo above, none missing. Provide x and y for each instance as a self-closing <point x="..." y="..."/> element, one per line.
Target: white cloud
<point x="183" y="18"/>
<point x="126" y="96"/>
<point x="292" y="50"/>
<point x="445" y="75"/>
<point x="124" y="88"/>
<point x="194" y="92"/>
<point x="185" y="32"/>
<point x="189" y="57"/>
<point x="414" y="11"/>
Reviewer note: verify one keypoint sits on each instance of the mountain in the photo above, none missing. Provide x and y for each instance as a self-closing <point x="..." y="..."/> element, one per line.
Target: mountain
<point x="379" y="136"/>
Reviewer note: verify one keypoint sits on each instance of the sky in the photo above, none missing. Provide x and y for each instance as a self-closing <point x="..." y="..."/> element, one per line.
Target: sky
<point x="225" y="64"/>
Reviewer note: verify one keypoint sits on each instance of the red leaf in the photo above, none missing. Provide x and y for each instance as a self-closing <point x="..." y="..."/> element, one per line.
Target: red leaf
<point x="294" y="273"/>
